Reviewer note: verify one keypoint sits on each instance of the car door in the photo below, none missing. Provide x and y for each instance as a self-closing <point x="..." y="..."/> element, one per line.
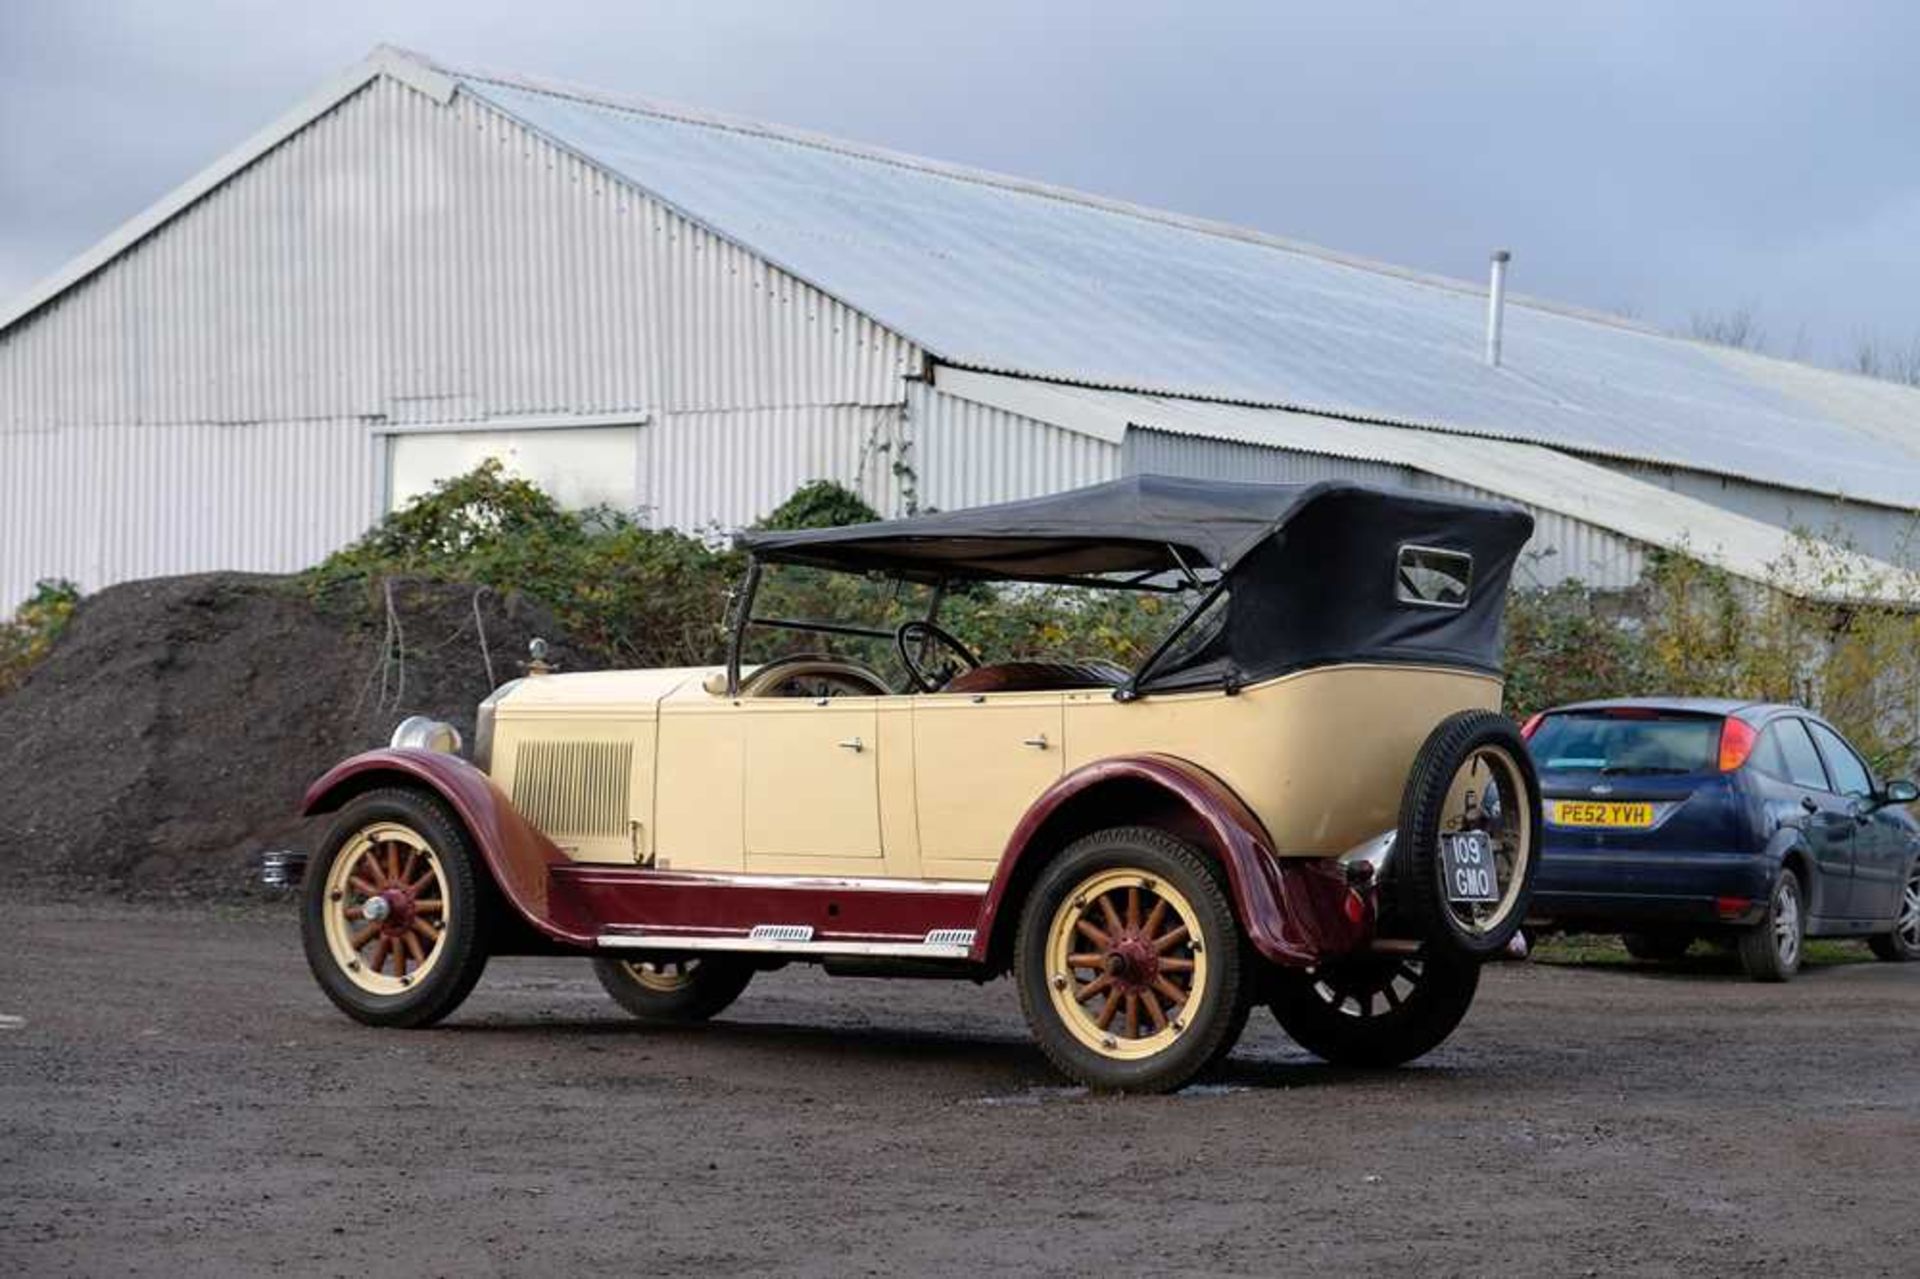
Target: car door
<point x="1880" y="853"/>
<point x="1823" y="815"/>
<point x="812" y="800"/>
<point x="980" y="760"/>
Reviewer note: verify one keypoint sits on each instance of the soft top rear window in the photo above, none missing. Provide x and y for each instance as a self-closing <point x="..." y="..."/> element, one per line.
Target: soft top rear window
<point x="1627" y="741"/>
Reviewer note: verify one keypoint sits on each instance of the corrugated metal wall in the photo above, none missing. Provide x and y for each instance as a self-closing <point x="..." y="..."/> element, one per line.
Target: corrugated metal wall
<point x="708" y="470"/>
<point x="1562" y="547"/>
<point x="433" y="263"/>
<point x="963" y="453"/>
<point x="109" y="503"/>
<point x="1881" y="531"/>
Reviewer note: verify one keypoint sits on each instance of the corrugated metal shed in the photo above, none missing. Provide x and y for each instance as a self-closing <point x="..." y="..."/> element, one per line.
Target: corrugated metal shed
<point x="419" y="251"/>
<point x="998" y="274"/>
<point x="415" y="261"/>
<point x="212" y="387"/>
<point x="1592" y="518"/>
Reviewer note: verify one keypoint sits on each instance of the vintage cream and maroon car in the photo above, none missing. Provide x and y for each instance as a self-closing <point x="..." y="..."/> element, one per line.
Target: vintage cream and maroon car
<point x="1304" y="796"/>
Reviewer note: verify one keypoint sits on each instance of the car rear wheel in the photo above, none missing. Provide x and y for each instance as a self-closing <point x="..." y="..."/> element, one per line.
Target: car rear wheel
<point x="1376" y="1009"/>
<point x="1902" y="945"/>
<point x="673" y="990"/>
<point x="394" y="911"/>
<point x="1472" y="787"/>
<point x="1661" y="948"/>
<point x="1770" y="949"/>
<point x="1131" y="966"/>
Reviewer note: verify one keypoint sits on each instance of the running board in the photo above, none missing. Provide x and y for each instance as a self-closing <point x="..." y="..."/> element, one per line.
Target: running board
<point x="942" y="943"/>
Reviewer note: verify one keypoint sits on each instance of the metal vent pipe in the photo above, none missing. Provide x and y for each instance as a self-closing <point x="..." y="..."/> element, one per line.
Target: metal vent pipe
<point x="1496" y="304"/>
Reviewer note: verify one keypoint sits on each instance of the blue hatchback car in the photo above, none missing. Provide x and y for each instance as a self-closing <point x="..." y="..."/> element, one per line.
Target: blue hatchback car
<point x="1670" y="819"/>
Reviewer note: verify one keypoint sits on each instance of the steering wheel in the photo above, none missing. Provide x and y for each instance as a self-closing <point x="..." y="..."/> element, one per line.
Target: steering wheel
<point x="913" y="635"/>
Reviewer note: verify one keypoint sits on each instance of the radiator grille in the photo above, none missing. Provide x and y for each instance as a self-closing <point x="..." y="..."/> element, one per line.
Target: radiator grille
<point x="574" y="788"/>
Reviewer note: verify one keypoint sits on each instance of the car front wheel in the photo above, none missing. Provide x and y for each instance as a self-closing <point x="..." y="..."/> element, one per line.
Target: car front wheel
<point x="1902" y="945"/>
<point x="1130" y="964"/>
<point x="675" y="991"/>
<point x="1770" y="949"/>
<point x="1376" y="1009"/>
<point x="394" y="910"/>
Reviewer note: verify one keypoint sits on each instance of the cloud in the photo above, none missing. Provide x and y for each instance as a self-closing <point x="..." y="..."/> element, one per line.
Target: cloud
<point x="1665" y="158"/>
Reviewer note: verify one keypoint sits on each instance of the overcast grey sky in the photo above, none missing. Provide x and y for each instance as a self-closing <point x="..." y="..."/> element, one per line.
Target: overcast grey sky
<point x="1654" y="156"/>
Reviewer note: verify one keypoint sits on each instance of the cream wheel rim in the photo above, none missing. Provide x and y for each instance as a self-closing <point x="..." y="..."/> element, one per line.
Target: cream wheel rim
<point x="664" y="977"/>
<point x="386" y="909"/>
<point x="1126" y="964"/>
<point x="1489" y="794"/>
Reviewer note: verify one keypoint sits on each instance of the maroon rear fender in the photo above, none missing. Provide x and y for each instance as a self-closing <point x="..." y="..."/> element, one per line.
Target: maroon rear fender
<point x="1294" y="910"/>
<point x="520" y="857"/>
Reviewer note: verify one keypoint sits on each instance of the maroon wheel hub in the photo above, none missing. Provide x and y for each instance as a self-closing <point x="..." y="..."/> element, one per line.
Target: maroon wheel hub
<point x="1132" y="962"/>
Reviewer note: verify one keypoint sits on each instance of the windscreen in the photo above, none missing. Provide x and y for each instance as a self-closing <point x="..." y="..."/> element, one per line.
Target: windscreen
<point x="1626" y="742"/>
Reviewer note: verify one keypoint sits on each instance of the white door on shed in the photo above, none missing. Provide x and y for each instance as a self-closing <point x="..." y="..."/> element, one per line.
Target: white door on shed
<point x="579" y="466"/>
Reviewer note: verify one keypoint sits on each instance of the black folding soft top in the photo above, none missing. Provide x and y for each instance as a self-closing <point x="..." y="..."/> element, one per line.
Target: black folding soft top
<point x="1313" y="573"/>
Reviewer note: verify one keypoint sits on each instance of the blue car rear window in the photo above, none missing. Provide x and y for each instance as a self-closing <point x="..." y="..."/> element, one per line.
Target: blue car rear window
<point x="1603" y="742"/>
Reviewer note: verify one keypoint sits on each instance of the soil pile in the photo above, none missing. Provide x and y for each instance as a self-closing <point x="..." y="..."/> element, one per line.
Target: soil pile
<point x="171" y="732"/>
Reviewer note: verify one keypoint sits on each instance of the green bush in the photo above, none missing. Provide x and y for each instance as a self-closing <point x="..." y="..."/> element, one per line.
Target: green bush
<point x="820" y="504"/>
<point x="35" y="625"/>
<point x="628" y="595"/>
<point x="1568" y="644"/>
<point x="634" y="596"/>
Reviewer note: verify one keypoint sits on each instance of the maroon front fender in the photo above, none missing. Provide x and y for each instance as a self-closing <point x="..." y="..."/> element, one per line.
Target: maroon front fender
<point x="1294" y="910"/>
<point x="519" y="856"/>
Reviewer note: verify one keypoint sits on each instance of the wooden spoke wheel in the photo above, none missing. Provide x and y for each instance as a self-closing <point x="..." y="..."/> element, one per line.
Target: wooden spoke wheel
<point x="1487" y="798"/>
<point x="393" y="910"/>
<point x="1375" y="1009"/>
<point x="1465" y="853"/>
<point x="666" y="976"/>
<point x="679" y="989"/>
<point x="387" y="910"/>
<point x="1125" y="963"/>
<point x="1130" y="962"/>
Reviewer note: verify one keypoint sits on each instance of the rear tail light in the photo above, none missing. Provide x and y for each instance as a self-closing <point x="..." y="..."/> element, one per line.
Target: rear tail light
<point x="1533" y="722"/>
<point x="1736" y="743"/>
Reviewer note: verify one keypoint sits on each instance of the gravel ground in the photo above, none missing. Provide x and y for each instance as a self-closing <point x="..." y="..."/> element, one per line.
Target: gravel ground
<point x="176" y="1097"/>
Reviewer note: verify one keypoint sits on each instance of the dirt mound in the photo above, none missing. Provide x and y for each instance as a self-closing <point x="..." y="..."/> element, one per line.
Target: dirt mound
<point x="172" y="730"/>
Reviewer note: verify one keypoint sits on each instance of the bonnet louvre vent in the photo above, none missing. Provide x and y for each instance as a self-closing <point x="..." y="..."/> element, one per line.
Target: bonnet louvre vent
<point x="574" y="788"/>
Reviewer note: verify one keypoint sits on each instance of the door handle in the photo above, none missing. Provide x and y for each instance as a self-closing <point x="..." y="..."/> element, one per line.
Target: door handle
<point x="853" y="744"/>
<point x="1809" y="803"/>
<point x="1038" y="741"/>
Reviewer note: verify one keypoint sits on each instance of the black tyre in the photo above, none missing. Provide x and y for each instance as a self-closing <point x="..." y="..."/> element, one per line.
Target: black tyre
<point x="1658" y="948"/>
<point x="395" y="908"/>
<point x="1378" y="1009"/>
<point x="679" y="991"/>
<point x="1133" y="972"/>
<point x="1473" y="783"/>
<point x="1770" y="949"/>
<point x="1902" y="945"/>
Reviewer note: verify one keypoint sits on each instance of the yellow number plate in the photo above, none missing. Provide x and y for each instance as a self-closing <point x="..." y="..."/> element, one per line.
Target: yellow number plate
<point x="1585" y="812"/>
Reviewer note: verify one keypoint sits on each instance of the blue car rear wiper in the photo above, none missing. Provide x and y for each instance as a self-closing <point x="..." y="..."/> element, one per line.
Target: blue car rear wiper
<point x="1622" y="770"/>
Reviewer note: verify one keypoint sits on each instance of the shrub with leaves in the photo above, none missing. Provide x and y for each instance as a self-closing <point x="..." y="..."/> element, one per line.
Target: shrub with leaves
<point x="1691" y="629"/>
<point x="630" y="595"/>
<point x="820" y="504"/>
<point x="1568" y="643"/>
<point x="35" y="625"/>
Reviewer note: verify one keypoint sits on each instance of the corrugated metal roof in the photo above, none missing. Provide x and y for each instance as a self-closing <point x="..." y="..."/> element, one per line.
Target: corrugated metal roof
<point x="1003" y="275"/>
<point x="1537" y="477"/>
